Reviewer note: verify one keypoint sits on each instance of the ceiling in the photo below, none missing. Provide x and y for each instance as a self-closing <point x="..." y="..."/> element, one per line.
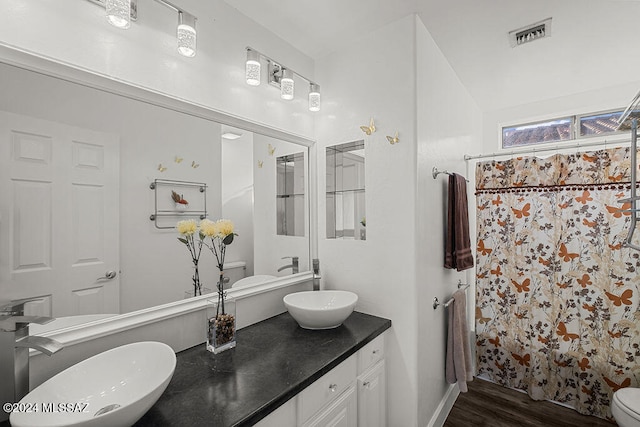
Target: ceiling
<point x="589" y="47"/>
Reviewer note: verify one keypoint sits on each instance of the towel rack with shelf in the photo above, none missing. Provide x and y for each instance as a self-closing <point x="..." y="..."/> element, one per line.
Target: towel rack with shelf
<point x="196" y="192"/>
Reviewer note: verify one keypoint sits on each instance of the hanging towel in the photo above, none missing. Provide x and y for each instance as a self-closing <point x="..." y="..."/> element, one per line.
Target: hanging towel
<point x="457" y="247"/>
<point x="458" y="364"/>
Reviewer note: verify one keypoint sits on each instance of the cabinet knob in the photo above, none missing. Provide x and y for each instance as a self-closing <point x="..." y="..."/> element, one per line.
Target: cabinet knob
<point x="366" y="384"/>
<point x="333" y="387"/>
<point x="376" y="351"/>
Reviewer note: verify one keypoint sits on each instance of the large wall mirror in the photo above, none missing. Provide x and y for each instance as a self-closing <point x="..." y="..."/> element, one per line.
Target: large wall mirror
<point x="76" y="168"/>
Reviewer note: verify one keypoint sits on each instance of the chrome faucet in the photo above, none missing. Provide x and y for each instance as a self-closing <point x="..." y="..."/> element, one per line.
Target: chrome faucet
<point x="14" y="350"/>
<point x="316" y="274"/>
<point x="293" y="266"/>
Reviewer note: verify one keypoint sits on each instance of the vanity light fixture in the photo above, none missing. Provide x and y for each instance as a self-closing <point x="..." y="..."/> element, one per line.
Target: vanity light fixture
<point x="279" y="76"/>
<point x="120" y="13"/>
<point x="286" y="84"/>
<point x="186" y="34"/>
<point x="231" y="135"/>
<point x="314" y="97"/>
<point x="252" y="68"/>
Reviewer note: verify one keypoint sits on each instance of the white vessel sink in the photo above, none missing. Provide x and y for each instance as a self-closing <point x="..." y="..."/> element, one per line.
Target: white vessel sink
<point x="113" y="388"/>
<point x="320" y="309"/>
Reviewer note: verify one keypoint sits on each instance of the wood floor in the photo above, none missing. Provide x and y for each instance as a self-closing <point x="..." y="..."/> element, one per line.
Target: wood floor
<point x="489" y="404"/>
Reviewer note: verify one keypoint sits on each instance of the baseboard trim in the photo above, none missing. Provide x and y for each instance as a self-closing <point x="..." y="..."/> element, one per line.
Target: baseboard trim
<point x="444" y="407"/>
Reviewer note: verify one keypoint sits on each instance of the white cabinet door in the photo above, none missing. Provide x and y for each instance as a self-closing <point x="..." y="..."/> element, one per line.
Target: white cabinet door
<point x="372" y="399"/>
<point x="59" y="216"/>
<point x="342" y="412"/>
<point x="284" y="416"/>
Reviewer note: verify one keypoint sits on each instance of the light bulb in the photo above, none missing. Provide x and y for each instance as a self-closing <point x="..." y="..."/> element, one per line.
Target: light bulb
<point x="186" y="34"/>
<point x="286" y="84"/>
<point x="252" y="70"/>
<point x="118" y="13"/>
<point x="314" y="97"/>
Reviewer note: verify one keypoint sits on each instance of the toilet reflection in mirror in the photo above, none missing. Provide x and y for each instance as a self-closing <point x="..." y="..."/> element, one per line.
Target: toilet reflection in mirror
<point x="345" y="191"/>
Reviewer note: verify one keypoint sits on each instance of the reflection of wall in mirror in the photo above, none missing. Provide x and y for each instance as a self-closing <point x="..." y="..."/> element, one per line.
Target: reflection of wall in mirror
<point x="155" y="267"/>
<point x="269" y="248"/>
<point x="237" y="196"/>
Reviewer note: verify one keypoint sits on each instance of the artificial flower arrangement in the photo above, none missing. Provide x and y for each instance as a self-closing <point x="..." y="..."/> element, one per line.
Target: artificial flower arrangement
<point x="188" y="230"/>
<point x="216" y="236"/>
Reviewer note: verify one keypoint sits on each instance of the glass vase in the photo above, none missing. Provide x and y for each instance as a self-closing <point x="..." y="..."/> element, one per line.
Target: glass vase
<point x="221" y="325"/>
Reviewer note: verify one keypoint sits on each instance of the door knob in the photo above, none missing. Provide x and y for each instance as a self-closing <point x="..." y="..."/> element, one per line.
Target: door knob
<point x="108" y="275"/>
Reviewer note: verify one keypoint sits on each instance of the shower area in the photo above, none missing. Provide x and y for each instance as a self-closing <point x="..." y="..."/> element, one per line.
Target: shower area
<point x="557" y="288"/>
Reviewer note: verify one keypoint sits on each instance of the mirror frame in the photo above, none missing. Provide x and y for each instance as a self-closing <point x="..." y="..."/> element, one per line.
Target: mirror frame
<point x="74" y="74"/>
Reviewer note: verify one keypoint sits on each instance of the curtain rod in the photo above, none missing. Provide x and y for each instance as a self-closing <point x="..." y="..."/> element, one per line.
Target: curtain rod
<point x="540" y="150"/>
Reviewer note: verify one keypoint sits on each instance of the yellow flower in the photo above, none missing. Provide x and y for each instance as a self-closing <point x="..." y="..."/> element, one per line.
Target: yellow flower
<point x="225" y="227"/>
<point x="208" y="228"/>
<point x="187" y="227"/>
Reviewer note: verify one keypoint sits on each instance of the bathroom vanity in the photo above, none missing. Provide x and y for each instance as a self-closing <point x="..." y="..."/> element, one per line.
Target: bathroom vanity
<point x="281" y="375"/>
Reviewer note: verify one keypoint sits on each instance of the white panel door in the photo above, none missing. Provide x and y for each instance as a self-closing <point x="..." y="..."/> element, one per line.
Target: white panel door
<point x="59" y="208"/>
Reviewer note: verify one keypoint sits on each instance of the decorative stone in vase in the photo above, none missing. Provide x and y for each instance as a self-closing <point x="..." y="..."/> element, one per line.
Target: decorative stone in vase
<point x="221" y="325"/>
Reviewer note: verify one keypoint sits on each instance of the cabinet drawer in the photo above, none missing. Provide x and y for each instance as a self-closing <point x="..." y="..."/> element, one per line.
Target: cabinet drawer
<point x="327" y="388"/>
<point x="371" y="354"/>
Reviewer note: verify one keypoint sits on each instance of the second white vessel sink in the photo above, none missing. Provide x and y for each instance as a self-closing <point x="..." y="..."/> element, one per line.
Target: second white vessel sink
<point x="113" y="388"/>
<point x="320" y="309"/>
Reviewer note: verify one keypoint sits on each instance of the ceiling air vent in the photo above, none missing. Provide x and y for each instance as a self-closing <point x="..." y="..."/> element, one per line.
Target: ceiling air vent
<point x="530" y="33"/>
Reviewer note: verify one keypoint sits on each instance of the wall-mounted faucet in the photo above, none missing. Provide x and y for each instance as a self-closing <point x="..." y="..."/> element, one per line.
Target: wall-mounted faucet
<point x="316" y="274"/>
<point x="293" y="266"/>
<point x="14" y="350"/>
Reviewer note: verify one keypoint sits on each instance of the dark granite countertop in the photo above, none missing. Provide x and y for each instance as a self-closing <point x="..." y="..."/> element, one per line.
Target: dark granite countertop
<point x="273" y="361"/>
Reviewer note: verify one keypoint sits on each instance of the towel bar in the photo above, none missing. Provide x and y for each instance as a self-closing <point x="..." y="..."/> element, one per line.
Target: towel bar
<point x="436" y="302"/>
<point x="435" y="172"/>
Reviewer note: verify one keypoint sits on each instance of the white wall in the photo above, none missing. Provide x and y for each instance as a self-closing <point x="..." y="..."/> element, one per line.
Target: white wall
<point x="406" y="86"/>
<point x="76" y="32"/>
<point x="449" y="123"/>
<point x="375" y="77"/>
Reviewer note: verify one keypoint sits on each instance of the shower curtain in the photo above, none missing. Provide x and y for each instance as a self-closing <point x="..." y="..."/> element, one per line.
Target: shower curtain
<point x="557" y="292"/>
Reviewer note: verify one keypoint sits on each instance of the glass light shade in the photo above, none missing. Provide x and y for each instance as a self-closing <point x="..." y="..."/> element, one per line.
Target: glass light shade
<point x="118" y="13"/>
<point x="314" y="97"/>
<point x="286" y="84"/>
<point x="186" y="34"/>
<point x="253" y="68"/>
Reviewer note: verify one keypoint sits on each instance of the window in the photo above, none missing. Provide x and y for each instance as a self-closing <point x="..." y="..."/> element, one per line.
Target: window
<point x="599" y="124"/>
<point x="537" y="133"/>
<point x="561" y="129"/>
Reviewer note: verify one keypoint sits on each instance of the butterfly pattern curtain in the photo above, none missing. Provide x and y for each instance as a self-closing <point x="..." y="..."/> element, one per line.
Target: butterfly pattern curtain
<point x="557" y="304"/>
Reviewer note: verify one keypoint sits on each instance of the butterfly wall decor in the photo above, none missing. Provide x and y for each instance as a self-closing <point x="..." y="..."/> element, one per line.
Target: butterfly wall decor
<point x="393" y="139"/>
<point x="194" y="164"/>
<point x="161" y="168"/>
<point x="260" y="163"/>
<point x="369" y="129"/>
<point x="271" y="149"/>
<point x="178" y="159"/>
